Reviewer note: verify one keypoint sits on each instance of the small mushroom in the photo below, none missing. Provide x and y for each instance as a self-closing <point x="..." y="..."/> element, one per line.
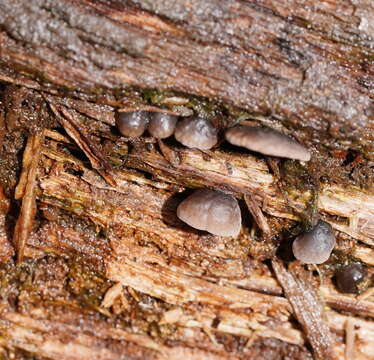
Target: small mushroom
<point x="267" y="141"/>
<point x="315" y="246"/>
<point x="349" y="276"/>
<point x="196" y="132"/>
<point x="212" y="211"/>
<point x="132" y="124"/>
<point x="162" y="125"/>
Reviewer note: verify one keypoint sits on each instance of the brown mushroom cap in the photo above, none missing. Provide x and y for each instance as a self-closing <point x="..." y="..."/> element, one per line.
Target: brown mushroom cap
<point x="349" y="276"/>
<point x="212" y="211"/>
<point x="132" y="123"/>
<point x="267" y="141"/>
<point x="196" y="132"/>
<point x="162" y="125"/>
<point x="315" y="246"/>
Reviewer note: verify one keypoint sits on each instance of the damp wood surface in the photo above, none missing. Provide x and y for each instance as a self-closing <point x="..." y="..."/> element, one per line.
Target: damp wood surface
<point x="305" y="64"/>
<point x="94" y="262"/>
<point x="212" y="297"/>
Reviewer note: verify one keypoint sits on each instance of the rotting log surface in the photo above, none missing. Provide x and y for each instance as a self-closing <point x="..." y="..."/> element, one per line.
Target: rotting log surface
<point x="308" y="64"/>
<point x="132" y="264"/>
<point x="110" y="271"/>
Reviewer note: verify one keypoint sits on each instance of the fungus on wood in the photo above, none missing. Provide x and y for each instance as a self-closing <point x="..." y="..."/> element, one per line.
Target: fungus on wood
<point x="349" y="277"/>
<point x="212" y="211"/>
<point x="162" y="125"/>
<point x="196" y="132"/>
<point x="97" y="220"/>
<point x="132" y="124"/>
<point x="315" y="245"/>
<point x="267" y="141"/>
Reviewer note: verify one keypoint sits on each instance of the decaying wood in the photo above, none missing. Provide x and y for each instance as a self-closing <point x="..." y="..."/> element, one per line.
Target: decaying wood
<point x="171" y="275"/>
<point x="186" y="316"/>
<point x="173" y="278"/>
<point x="232" y="319"/>
<point x="35" y="335"/>
<point x="182" y="289"/>
<point x="29" y="331"/>
<point x="98" y="161"/>
<point x="149" y="195"/>
<point x="248" y="175"/>
<point x="110" y="271"/>
<point x="257" y="213"/>
<point x="6" y="247"/>
<point x="26" y="191"/>
<point x="302" y="62"/>
<point x="308" y="309"/>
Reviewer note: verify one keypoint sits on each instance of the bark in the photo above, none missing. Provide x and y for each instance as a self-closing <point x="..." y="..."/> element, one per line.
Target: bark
<point x="5" y="245"/>
<point x="217" y="291"/>
<point x="308" y="309"/>
<point x="306" y="64"/>
<point x="105" y="268"/>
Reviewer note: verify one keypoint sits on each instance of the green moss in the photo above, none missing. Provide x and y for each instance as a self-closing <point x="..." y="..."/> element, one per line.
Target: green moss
<point x="88" y="286"/>
<point x="84" y="286"/>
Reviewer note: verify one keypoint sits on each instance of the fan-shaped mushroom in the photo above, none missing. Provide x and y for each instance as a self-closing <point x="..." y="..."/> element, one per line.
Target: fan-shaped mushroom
<point x="267" y="141"/>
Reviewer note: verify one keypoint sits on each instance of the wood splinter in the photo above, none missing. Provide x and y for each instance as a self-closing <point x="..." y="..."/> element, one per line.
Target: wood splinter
<point x="25" y="190"/>
<point x="257" y="214"/>
<point x="95" y="156"/>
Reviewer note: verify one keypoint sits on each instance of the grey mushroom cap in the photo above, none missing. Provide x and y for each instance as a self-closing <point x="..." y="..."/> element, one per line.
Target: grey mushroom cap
<point x="267" y="141"/>
<point x="196" y="132"/>
<point x="132" y="124"/>
<point x="212" y="211"/>
<point x="162" y="125"/>
<point x="315" y="246"/>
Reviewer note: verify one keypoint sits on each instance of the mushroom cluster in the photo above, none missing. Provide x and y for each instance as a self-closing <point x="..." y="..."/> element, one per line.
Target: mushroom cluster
<point x="197" y="132"/>
<point x="193" y="132"/>
<point x="215" y="211"/>
<point x="133" y="124"/>
<point x="219" y="213"/>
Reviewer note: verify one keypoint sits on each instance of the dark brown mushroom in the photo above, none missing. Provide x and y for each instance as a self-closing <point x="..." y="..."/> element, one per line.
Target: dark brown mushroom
<point x="162" y="125"/>
<point x="196" y="132"/>
<point x="315" y="246"/>
<point x="349" y="276"/>
<point x="132" y="124"/>
<point x="212" y="211"/>
<point x="267" y="141"/>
